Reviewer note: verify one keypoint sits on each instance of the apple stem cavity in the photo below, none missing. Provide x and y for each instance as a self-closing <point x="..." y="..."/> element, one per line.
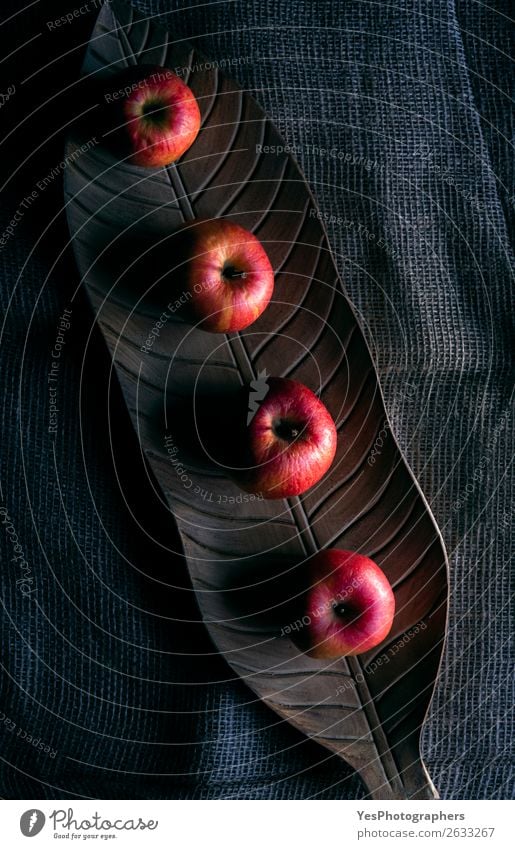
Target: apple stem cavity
<point x="230" y="272"/>
<point x="286" y="430"/>
<point x="155" y="112"/>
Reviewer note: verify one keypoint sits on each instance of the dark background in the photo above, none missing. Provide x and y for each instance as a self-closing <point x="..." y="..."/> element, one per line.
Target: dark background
<point x="98" y="662"/>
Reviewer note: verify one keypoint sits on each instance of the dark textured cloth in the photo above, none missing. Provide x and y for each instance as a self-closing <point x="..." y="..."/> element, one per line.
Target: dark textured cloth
<point x="400" y="116"/>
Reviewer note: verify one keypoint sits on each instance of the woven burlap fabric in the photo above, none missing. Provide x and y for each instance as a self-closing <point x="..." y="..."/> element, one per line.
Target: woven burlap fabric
<point x="400" y="117"/>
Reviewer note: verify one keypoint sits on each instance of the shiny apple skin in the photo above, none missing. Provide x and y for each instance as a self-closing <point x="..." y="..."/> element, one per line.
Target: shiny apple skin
<point x="282" y="465"/>
<point x="161" y="135"/>
<point x="355" y="582"/>
<point x="228" y="276"/>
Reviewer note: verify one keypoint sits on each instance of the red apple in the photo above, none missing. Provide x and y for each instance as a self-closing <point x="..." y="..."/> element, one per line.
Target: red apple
<point x="350" y="605"/>
<point x="227" y="277"/>
<point x="161" y="118"/>
<point x="290" y="441"/>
